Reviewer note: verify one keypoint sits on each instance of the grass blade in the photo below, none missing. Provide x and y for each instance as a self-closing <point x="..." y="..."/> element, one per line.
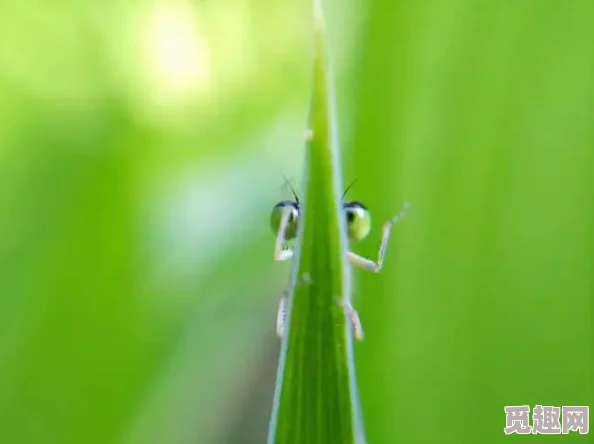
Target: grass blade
<point x="316" y="396"/>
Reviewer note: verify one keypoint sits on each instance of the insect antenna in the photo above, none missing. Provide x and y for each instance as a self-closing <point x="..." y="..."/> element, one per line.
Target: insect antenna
<point x="348" y="188"/>
<point x="292" y="190"/>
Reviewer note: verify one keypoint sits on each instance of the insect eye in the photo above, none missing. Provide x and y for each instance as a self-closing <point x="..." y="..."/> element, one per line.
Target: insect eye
<point x="350" y="215"/>
<point x="358" y="220"/>
<point x="276" y="216"/>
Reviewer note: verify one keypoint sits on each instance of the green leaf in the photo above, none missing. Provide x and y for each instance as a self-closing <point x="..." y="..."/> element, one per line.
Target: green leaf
<point x="316" y="395"/>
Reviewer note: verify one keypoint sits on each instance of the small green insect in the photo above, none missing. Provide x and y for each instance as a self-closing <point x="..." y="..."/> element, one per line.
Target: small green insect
<point x="284" y="221"/>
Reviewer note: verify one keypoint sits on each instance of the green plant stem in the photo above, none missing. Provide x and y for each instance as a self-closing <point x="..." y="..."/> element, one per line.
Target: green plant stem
<point x="316" y="395"/>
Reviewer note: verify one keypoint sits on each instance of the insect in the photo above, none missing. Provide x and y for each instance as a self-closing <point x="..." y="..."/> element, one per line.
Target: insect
<point x="284" y="220"/>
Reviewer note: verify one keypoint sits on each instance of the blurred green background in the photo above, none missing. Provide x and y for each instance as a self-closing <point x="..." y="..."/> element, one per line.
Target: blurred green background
<point x="142" y="146"/>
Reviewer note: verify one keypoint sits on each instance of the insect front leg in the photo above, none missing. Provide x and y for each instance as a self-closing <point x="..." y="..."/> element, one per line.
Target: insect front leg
<point x="280" y="252"/>
<point x="376" y="266"/>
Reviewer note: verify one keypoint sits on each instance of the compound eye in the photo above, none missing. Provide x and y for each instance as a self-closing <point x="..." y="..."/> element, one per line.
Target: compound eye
<point x="276" y="216"/>
<point x="358" y="220"/>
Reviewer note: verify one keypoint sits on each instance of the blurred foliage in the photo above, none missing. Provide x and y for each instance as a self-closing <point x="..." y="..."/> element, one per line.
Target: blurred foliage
<point x="481" y="116"/>
<point x="142" y="145"/>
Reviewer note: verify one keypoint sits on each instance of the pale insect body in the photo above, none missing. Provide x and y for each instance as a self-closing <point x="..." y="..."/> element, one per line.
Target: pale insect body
<point x="284" y="221"/>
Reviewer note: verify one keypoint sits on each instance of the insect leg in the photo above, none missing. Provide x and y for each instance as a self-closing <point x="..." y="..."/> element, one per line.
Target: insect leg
<point x="352" y="318"/>
<point x="376" y="266"/>
<point x="281" y="253"/>
<point x="281" y="315"/>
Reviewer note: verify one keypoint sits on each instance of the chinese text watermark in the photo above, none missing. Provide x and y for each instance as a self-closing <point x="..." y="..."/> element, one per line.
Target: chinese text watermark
<point x="546" y="420"/>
